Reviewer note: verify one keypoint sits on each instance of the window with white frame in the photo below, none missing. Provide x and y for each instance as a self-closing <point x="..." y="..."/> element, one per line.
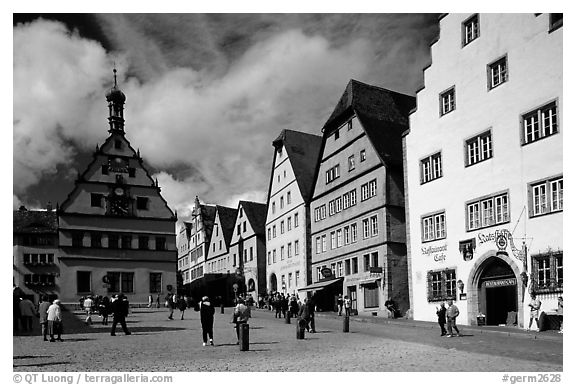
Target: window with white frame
<point x="374" y="225"/>
<point x="297" y="278"/>
<point x="281" y="253"/>
<point x="332" y="173"/>
<point x="339" y="269"/>
<point x="441" y="285"/>
<point x="362" y="155"/>
<point x="269" y="233"/>
<point x="274" y="256"/>
<point x="547" y="196"/>
<point x="352" y="197"/>
<point x="296" y="247"/>
<point x="274" y="231"/>
<point x="289" y="252"/>
<point x="281" y="202"/>
<point x="346" y="235"/>
<point x="353" y="232"/>
<point x="289" y="223"/>
<point x="447" y="101"/>
<point x="324" y="246"/>
<point x="346" y="200"/>
<point x="351" y="163"/>
<point x="431" y="168"/>
<point x="339" y="238"/>
<point x="470" y="29"/>
<point x="318" y="245"/>
<point x="540" y="123"/>
<point x="331" y="208"/>
<point x="548" y="269"/>
<point x="338" y="202"/>
<point x="434" y="227"/>
<point x="317" y="217"/>
<point x="497" y="72"/>
<point x="288" y="198"/>
<point x="281" y="227"/>
<point x="332" y="240"/>
<point x="368" y="190"/>
<point x="479" y="148"/>
<point x="366" y="228"/>
<point x="488" y="211"/>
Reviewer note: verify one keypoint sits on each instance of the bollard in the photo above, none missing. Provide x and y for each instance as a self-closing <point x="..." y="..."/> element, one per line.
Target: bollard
<point x="346" y="324"/>
<point x="222" y="309"/>
<point x="287" y="318"/>
<point x="244" y="337"/>
<point x="300" y="330"/>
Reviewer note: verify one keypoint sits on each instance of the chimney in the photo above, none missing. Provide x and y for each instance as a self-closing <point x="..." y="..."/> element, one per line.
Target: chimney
<point x="49" y="206"/>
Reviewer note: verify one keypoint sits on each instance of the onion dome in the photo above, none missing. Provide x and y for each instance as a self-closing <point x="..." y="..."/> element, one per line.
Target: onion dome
<point x="115" y="95"/>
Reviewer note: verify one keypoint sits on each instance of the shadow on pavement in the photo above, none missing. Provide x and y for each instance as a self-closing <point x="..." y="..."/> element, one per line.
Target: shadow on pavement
<point x="45" y="364"/>
<point x="24" y="357"/>
<point x="263" y="343"/>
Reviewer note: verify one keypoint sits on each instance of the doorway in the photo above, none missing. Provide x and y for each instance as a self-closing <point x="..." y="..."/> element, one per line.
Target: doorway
<point x="499" y="292"/>
<point x="273" y="283"/>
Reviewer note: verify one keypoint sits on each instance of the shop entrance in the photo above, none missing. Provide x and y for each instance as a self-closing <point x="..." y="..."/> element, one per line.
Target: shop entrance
<point x="499" y="296"/>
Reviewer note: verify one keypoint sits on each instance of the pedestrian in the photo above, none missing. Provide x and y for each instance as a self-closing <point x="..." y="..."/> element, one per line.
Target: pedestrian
<point x="284" y="306"/>
<point x="340" y="303"/>
<point x="104" y="309"/>
<point x="560" y="313"/>
<point x="43" y="315"/>
<point x="88" y="304"/>
<point x="120" y="309"/>
<point x="158" y="301"/>
<point x="311" y="309"/>
<point x="181" y="304"/>
<point x="451" y="313"/>
<point x="240" y="316"/>
<point x="441" y="313"/>
<point x="55" y="320"/>
<point x="150" y="301"/>
<point x="277" y="306"/>
<point x="304" y="315"/>
<point x="170" y="304"/>
<point x="27" y="313"/>
<point x="534" y="306"/>
<point x="207" y="320"/>
<point x="347" y="306"/>
<point x="294" y="307"/>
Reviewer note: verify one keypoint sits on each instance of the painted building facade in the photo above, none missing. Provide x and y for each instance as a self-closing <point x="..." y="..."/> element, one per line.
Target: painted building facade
<point x="484" y="172"/>
<point x="116" y="232"/>
<point x="357" y="209"/>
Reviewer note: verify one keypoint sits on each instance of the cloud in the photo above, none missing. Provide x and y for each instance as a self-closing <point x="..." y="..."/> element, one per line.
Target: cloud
<point x="205" y="125"/>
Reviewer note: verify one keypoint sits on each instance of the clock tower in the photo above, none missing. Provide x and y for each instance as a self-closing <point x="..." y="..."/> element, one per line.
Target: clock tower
<point x="116" y="231"/>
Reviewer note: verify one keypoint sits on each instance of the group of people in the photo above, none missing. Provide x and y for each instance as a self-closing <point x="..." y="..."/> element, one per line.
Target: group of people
<point x="49" y="314"/>
<point x="447" y="316"/>
<point x="534" y="307"/>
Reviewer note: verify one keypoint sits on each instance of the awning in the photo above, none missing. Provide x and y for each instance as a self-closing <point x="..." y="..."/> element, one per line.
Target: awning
<point x="369" y="281"/>
<point x="321" y="285"/>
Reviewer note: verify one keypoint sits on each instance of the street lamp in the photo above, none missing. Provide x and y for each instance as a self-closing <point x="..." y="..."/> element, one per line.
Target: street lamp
<point x="460" y="285"/>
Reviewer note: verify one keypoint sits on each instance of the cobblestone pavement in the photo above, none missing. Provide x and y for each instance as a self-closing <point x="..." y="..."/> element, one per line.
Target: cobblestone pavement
<point x="158" y="344"/>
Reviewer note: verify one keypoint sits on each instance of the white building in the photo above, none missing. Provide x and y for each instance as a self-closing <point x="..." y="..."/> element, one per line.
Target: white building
<point x="484" y="174"/>
<point x="288" y="218"/>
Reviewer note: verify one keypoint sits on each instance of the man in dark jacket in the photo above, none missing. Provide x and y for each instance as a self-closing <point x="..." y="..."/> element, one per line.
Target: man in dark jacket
<point x="304" y="314"/>
<point x="120" y="309"/>
<point x="311" y="307"/>
<point x="441" y="313"/>
<point x="207" y="320"/>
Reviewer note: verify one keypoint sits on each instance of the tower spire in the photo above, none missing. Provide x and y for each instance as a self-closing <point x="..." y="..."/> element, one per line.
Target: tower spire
<point x="116" y="99"/>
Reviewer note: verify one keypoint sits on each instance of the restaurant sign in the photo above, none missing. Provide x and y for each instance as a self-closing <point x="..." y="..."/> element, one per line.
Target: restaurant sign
<point x="501" y="238"/>
<point x="437" y="252"/>
<point x="501" y="282"/>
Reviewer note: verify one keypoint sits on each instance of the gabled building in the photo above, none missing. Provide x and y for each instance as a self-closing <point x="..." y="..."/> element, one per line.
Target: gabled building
<point x="36" y="270"/>
<point x="248" y="248"/>
<point x="358" y="224"/>
<point x="116" y="231"/>
<point x="288" y="218"/>
<point x="484" y="164"/>
<point x="191" y="265"/>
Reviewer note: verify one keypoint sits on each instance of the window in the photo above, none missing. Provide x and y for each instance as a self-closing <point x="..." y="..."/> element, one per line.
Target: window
<point x="155" y="282"/>
<point x="540" y="123"/>
<point x="470" y="29"/>
<point x="289" y="223"/>
<point x="447" y="101"/>
<point x="77" y="239"/>
<point x="83" y="281"/>
<point x="548" y="272"/>
<point x="338" y="202"/>
<point x="296" y="218"/>
<point x="479" y="148"/>
<point x="488" y="211"/>
<point x="362" y="155"/>
<point x="318" y="245"/>
<point x="355" y="265"/>
<point x="288" y="198"/>
<point x="347" y="235"/>
<point x="347" y="267"/>
<point x="324" y="246"/>
<point x="353" y="232"/>
<point x="351" y="165"/>
<point x="371" y="295"/>
<point x="296" y="247"/>
<point x="281" y="202"/>
<point x="497" y="72"/>
<point x="340" y="269"/>
<point x="160" y="243"/>
<point x="244" y="226"/>
<point x="366" y="228"/>
<point x="346" y="199"/>
<point x="433" y="227"/>
<point x="269" y="233"/>
<point x="269" y="257"/>
<point x="245" y="255"/>
<point x="331" y="208"/>
<point x="113" y="240"/>
<point x="241" y="212"/>
<point x="366" y="262"/>
<point x="297" y="278"/>
<point x="142" y="203"/>
<point x="339" y="238"/>
<point x="333" y="240"/>
<point x="289" y="252"/>
<point x="332" y="173"/>
<point x="251" y="253"/>
<point x="96" y="200"/>
<point x="95" y="240"/>
<point x="431" y="168"/>
<point x="274" y="204"/>
<point x="289" y="280"/>
<point x="547" y="197"/>
<point x="368" y="190"/>
<point x="126" y="241"/>
<point x="274" y="256"/>
<point x="317" y="217"/>
<point x="441" y="285"/>
<point x="375" y="259"/>
<point x="274" y="231"/>
<point x="281" y="227"/>
<point x="336" y="134"/>
<point x="131" y="172"/>
<point x="352" y="197"/>
<point x="374" y="225"/>
<point x="121" y="282"/>
<point x="143" y="242"/>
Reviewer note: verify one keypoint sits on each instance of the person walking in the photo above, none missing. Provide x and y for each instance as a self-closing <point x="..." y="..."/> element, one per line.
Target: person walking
<point x="311" y="309"/>
<point x="88" y="304"/>
<point x="451" y="313"/>
<point x="54" y="316"/>
<point x="43" y="315"/>
<point x="120" y="309"/>
<point x="158" y="301"/>
<point x="207" y="320"/>
<point x="560" y="313"/>
<point x="181" y="304"/>
<point x="340" y="304"/>
<point x="277" y="306"/>
<point x="441" y="313"/>
<point x="170" y="304"/>
<point x="27" y="313"/>
<point x="534" y="306"/>
<point x="284" y="305"/>
<point x="304" y="315"/>
<point x="150" y="301"/>
<point x="104" y="309"/>
<point x="293" y="307"/>
<point x="347" y="306"/>
<point x="241" y="316"/>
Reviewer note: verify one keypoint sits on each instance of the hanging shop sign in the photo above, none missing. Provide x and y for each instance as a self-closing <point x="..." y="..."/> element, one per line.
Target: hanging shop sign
<point x="436" y="252"/>
<point x="502" y="239"/>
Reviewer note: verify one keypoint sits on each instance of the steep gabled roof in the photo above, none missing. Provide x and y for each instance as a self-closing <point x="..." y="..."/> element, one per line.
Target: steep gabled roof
<point x="256" y="214"/>
<point x="35" y="222"/>
<point x="382" y="113"/>
<point x="227" y="217"/>
<point x="208" y="217"/>
<point x="303" y="150"/>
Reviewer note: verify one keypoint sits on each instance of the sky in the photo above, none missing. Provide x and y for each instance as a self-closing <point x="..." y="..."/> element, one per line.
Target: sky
<point x="206" y="93"/>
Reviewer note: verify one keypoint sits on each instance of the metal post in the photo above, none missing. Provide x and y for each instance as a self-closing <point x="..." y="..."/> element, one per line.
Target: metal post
<point x="244" y="337"/>
<point x="346" y="324"/>
<point x="287" y="317"/>
<point x="300" y="329"/>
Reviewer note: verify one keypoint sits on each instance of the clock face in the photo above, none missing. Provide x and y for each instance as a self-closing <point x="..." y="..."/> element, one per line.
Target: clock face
<point x="119" y="206"/>
<point x="119" y="191"/>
